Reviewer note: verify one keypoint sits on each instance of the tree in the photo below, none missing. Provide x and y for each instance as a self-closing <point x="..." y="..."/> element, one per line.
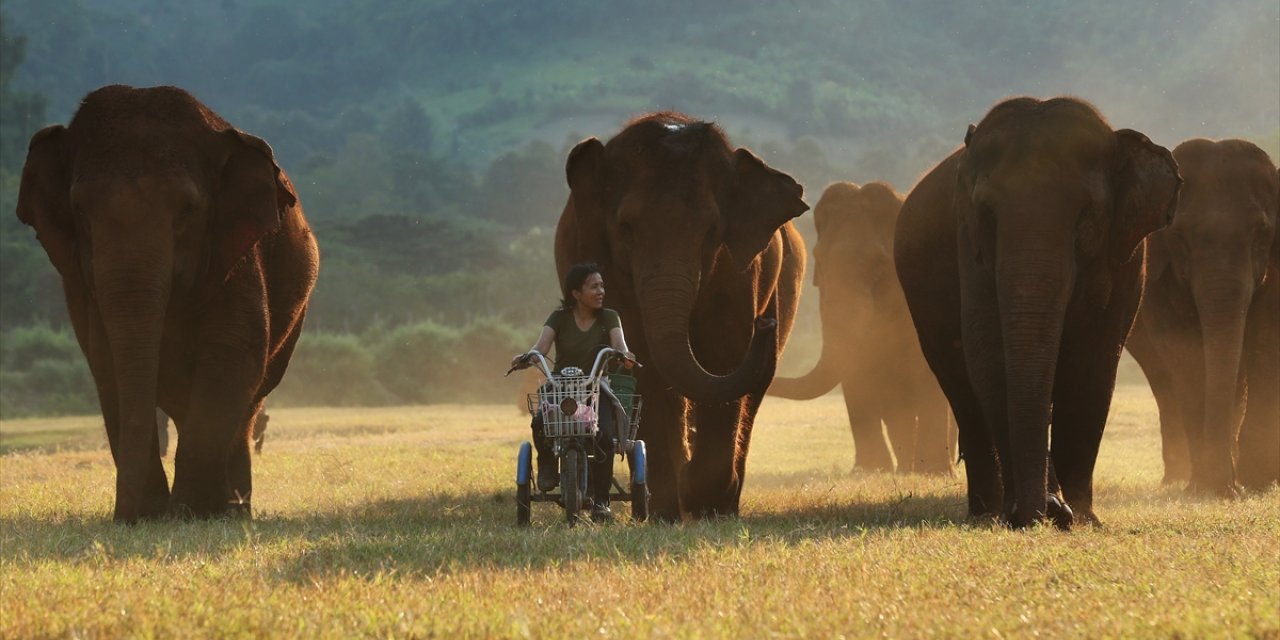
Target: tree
<point x="20" y="112"/>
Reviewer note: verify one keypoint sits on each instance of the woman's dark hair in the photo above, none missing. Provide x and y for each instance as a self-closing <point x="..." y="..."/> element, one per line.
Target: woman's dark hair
<point x="574" y="280"/>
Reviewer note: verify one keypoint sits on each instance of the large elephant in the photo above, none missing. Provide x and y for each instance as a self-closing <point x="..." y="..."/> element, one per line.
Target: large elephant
<point x="186" y="264"/>
<point x="704" y="267"/>
<point x="1209" y="324"/>
<point x="869" y="346"/>
<point x="1021" y="256"/>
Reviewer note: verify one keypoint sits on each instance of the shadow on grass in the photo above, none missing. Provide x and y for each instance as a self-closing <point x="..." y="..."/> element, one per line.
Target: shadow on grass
<point x="442" y="533"/>
<point x="448" y="533"/>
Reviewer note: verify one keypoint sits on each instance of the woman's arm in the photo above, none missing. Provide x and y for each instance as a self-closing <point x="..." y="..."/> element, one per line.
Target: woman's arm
<point x="543" y="345"/>
<point x="618" y="341"/>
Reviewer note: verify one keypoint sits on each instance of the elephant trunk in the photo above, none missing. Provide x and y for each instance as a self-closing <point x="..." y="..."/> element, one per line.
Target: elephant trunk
<point x="1033" y="296"/>
<point x="824" y="376"/>
<point x="667" y="303"/>
<point x="1223" y="306"/>
<point x="132" y="302"/>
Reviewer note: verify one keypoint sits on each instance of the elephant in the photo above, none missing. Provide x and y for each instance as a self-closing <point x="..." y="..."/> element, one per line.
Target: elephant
<point x="186" y="264"/>
<point x="869" y="346"/>
<point x="704" y="267"/>
<point x="1021" y="256"/>
<point x="1208" y="331"/>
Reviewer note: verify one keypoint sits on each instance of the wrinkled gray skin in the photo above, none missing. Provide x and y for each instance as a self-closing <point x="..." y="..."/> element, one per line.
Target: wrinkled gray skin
<point x="187" y="264"/>
<point x="704" y="267"/>
<point x="1021" y="258"/>
<point x="869" y="346"/>
<point x="1208" y="332"/>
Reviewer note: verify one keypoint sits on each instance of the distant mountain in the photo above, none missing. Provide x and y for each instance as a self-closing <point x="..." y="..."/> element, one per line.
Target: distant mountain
<point x="885" y="88"/>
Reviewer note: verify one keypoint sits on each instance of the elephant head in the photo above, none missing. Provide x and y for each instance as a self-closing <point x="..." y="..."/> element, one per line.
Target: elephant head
<point x="855" y="275"/>
<point x="1221" y="248"/>
<point x="664" y="204"/>
<point x="1051" y="203"/>
<point x="146" y="196"/>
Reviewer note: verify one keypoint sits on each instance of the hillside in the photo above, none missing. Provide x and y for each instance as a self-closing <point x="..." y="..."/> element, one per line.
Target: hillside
<point x="428" y="138"/>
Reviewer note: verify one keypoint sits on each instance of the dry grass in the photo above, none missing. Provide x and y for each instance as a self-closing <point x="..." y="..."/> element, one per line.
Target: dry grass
<point x="399" y="523"/>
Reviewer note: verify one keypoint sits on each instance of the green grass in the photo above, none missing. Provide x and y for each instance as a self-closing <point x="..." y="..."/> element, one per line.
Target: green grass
<point x="399" y="523"/>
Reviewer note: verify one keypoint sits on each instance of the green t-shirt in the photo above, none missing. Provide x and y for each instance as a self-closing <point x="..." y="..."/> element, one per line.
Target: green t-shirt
<point x="575" y="347"/>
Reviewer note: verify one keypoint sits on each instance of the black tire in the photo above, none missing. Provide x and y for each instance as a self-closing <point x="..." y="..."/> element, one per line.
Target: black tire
<point x="639" y="502"/>
<point x="524" y="494"/>
<point x="570" y="490"/>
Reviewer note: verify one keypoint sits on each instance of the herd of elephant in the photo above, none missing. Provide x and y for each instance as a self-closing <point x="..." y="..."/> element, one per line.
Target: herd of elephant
<point x="1003" y="288"/>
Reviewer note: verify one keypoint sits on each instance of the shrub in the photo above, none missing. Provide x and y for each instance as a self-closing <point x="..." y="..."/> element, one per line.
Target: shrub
<point x="331" y="369"/>
<point x="416" y="362"/>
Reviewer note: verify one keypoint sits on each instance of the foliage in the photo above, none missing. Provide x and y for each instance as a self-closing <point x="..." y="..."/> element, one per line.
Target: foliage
<point x="427" y="140"/>
<point x="20" y="111"/>
<point x="330" y="369"/>
<point x="42" y="372"/>
<point x="399" y="522"/>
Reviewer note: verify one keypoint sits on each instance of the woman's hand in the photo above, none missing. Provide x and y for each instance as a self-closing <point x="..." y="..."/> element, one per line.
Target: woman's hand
<point x="628" y="359"/>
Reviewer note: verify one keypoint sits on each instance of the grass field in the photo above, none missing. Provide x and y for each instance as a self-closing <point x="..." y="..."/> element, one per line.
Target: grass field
<point x="399" y="523"/>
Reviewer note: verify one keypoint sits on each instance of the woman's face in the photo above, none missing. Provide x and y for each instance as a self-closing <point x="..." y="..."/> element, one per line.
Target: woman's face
<point x="591" y="295"/>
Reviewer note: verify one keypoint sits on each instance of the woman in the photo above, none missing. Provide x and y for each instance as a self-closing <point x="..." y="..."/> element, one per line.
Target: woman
<point x="578" y="329"/>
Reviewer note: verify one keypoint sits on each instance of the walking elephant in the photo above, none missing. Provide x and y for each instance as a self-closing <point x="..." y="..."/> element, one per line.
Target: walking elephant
<point x="1021" y="256"/>
<point x="869" y="346"/>
<point x="186" y="264"/>
<point x="1208" y="331"/>
<point x="704" y="267"/>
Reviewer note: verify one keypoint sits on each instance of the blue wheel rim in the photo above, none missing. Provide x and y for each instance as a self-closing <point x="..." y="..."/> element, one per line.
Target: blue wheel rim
<point x="638" y="470"/>
<point x="524" y="463"/>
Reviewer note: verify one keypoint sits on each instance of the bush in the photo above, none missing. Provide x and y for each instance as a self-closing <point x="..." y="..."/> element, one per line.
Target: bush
<point x="330" y="369"/>
<point x="416" y="362"/>
<point x="42" y="372"/>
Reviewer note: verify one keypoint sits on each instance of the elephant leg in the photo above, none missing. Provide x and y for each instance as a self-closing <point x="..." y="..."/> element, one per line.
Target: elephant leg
<point x="217" y="426"/>
<point x="745" y="427"/>
<point x="984" y="368"/>
<point x="1081" y="401"/>
<point x="973" y="436"/>
<point x="155" y="499"/>
<point x="1260" y="433"/>
<point x="900" y="432"/>
<point x="1188" y="392"/>
<point x="663" y="428"/>
<point x="1173" y="433"/>
<point x="709" y="485"/>
<point x="1155" y="364"/>
<point x="1084" y="381"/>
<point x="934" y="450"/>
<point x="240" y="464"/>
<point x="870" y="449"/>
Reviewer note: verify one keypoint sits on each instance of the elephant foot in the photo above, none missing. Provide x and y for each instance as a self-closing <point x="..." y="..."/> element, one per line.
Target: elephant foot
<point x="1259" y="485"/>
<point x="1059" y="512"/>
<point x="945" y="470"/>
<point x="1056" y="512"/>
<point x="153" y="507"/>
<point x="983" y="507"/>
<point x="184" y="506"/>
<point x="1226" y="491"/>
<point x="876" y="466"/>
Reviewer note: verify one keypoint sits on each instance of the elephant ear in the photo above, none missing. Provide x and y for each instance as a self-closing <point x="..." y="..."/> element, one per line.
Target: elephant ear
<point x="582" y="227"/>
<point x="249" y="203"/>
<point x="44" y="197"/>
<point x="1147" y="183"/>
<point x="1275" y="242"/>
<point x="765" y="199"/>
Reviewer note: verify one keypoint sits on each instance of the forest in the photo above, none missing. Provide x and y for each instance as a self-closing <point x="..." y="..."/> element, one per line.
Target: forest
<point x="427" y="139"/>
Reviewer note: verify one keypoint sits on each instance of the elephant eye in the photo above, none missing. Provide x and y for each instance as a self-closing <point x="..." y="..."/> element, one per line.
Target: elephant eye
<point x="627" y="231"/>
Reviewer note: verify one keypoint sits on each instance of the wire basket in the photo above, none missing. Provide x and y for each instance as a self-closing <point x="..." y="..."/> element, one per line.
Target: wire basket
<point x="568" y="407"/>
